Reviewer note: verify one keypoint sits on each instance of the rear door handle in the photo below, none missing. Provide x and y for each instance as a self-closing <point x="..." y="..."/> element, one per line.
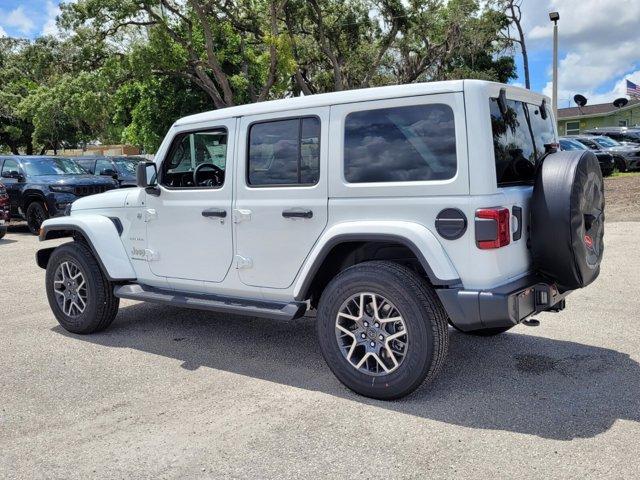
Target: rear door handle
<point x="297" y="213"/>
<point x="214" y="212"/>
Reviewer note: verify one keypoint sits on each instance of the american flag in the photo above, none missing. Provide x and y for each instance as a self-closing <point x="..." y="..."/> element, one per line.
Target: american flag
<point x="633" y="90"/>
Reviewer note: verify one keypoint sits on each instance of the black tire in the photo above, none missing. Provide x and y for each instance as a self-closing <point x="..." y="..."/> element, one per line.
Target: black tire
<point x="101" y="305"/>
<point x="423" y="315"/>
<point x="567" y="219"/>
<point x="621" y="164"/>
<point x="36" y="214"/>
<point x="484" y="332"/>
<point x="3" y="231"/>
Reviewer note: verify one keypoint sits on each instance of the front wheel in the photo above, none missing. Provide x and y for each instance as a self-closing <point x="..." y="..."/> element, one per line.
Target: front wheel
<point x="79" y="295"/>
<point x="36" y="214"/>
<point x="382" y="329"/>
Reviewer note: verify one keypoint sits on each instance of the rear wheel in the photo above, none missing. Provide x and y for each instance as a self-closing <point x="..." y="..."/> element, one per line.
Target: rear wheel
<point x="382" y="330"/>
<point x="36" y="214"/>
<point x="79" y="295"/>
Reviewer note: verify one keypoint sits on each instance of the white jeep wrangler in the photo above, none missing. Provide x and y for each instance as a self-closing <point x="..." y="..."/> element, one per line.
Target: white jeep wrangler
<point x="392" y="211"/>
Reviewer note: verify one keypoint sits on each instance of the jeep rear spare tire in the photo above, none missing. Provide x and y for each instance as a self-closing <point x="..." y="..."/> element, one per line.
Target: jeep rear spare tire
<point x="567" y="219"/>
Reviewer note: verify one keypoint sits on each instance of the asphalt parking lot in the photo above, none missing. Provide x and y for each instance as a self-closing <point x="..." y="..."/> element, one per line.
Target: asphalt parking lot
<point x="169" y="393"/>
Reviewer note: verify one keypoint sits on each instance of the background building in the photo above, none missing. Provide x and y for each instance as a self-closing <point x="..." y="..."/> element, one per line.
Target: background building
<point x="574" y="120"/>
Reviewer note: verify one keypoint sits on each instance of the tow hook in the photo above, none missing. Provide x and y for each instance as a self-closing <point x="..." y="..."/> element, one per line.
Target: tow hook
<point x="531" y="322"/>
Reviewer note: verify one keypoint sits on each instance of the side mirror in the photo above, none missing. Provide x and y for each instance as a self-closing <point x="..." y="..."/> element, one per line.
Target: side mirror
<point x="147" y="177"/>
<point x="146" y="174"/>
<point x="13" y="174"/>
<point x="109" y="172"/>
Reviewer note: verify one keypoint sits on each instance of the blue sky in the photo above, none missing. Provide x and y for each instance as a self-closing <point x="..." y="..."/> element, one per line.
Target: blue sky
<point x="597" y="54"/>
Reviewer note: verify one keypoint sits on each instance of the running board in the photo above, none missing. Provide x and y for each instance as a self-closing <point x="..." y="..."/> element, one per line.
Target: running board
<point x="216" y="303"/>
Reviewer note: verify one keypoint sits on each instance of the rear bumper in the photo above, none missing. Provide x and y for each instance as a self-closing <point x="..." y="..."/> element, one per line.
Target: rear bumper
<point x="503" y="306"/>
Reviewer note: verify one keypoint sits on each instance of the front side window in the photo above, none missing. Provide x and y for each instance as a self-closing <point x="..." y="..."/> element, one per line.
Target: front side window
<point x="10" y="166"/>
<point x="52" y="166"/>
<point x="400" y="144"/>
<point x="196" y="160"/>
<point x="103" y="167"/>
<point x="606" y="142"/>
<point x="521" y="138"/>
<point x="284" y="152"/>
<point x="590" y="144"/>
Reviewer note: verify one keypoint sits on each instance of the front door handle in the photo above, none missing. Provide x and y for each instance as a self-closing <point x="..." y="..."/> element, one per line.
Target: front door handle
<point x="297" y="213"/>
<point x="214" y="212"/>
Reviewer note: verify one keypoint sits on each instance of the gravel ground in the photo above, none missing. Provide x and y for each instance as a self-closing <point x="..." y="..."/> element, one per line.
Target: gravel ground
<point x="622" y="197"/>
<point x="169" y="393"/>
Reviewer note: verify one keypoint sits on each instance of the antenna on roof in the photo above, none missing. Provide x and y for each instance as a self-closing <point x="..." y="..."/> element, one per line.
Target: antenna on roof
<point x="620" y="102"/>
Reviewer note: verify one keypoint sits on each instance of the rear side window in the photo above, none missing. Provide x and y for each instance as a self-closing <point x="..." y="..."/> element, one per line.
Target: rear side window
<point x="284" y="152"/>
<point x="401" y="144"/>
<point x="520" y="137"/>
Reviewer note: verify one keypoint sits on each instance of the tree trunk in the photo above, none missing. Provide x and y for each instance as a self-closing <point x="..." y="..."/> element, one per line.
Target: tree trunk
<point x="516" y="17"/>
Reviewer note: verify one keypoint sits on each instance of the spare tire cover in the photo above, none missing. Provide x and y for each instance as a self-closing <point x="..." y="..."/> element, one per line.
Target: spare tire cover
<point x="567" y="219"/>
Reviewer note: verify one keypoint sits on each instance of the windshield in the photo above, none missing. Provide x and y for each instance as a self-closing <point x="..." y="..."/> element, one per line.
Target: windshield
<point x="52" y="166"/>
<point x="606" y="142"/>
<point x="125" y="166"/>
<point x="566" y="144"/>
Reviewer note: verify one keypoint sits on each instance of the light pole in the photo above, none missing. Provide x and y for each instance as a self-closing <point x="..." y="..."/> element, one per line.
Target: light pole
<point x="554" y="17"/>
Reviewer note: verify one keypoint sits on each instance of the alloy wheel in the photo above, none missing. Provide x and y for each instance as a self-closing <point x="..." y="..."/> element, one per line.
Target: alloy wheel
<point x="70" y="288"/>
<point x="371" y="334"/>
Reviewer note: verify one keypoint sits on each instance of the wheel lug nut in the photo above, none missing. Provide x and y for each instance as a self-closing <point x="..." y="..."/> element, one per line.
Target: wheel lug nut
<point x="363" y="335"/>
<point x="381" y="337"/>
<point x="373" y="344"/>
<point x="366" y="324"/>
<point x="377" y="325"/>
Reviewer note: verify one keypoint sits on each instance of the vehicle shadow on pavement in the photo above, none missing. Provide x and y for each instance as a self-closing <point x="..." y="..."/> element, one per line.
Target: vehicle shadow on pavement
<point x="19" y="229"/>
<point x="513" y="382"/>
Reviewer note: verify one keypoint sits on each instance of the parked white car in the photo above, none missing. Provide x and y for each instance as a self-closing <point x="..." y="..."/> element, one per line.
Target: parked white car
<point x="392" y="211"/>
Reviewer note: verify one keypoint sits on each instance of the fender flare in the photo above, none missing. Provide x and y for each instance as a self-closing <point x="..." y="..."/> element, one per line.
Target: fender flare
<point x="103" y="236"/>
<point x="419" y="239"/>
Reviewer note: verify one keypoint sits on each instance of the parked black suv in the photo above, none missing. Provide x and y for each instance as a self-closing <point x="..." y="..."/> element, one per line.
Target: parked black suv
<point x="43" y="187"/>
<point x="605" y="159"/>
<point x="121" y="168"/>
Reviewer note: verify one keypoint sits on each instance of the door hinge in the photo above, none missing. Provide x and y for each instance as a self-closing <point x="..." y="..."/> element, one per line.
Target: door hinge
<point x="241" y="215"/>
<point x="243" y="262"/>
<point x="150" y="214"/>
<point x="150" y="255"/>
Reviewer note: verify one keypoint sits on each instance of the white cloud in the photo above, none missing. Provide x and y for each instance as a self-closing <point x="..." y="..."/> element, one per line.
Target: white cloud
<point x="18" y="19"/>
<point x="601" y="38"/>
<point x="50" y="27"/>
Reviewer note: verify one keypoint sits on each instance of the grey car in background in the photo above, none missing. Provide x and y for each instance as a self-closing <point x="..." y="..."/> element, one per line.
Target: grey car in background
<point x="626" y="157"/>
<point x="623" y="135"/>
